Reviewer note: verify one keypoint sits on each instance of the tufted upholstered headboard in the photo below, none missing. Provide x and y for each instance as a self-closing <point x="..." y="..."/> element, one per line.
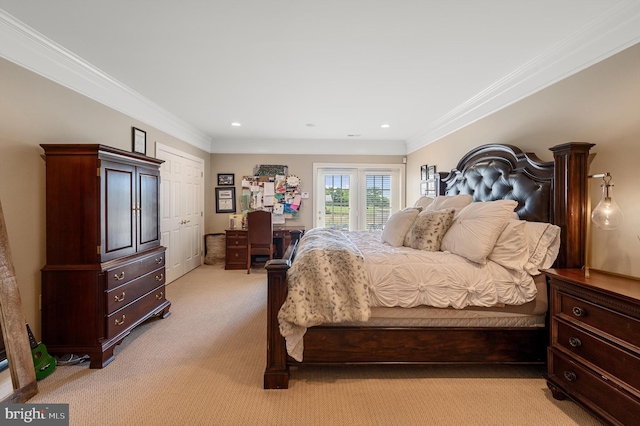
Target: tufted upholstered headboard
<point x="503" y="172"/>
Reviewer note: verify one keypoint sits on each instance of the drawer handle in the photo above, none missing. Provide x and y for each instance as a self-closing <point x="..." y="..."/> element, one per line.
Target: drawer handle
<point x="159" y="261"/>
<point x="236" y="254"/>
<point x="121" y="321"/>
<point x="160" y="278"/>
<point x="119" y="298"/>
<point x="160" y="296"/>
<point x="578" y="311"/>
<point x="237" y="242"/>
<point x="574" y="342"/>
<point x="119" y="277"/>
<point x="570" y="376"/>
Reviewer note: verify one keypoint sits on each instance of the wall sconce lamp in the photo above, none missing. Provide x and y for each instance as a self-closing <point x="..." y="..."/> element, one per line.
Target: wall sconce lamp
<point x="607" y="215"/>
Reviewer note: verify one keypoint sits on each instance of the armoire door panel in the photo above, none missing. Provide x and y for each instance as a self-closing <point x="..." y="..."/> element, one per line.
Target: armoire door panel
<point x="119" y="206"/>
<point x="149" y="214"/>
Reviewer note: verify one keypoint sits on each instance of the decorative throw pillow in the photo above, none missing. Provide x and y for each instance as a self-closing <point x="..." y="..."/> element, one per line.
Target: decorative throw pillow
<point x="543" y="241"/>
<point x="397" y="226"/>
<point x="511" y="250"/>
<point x="429" y="228"/>
<point x="423" y="201"/>
<point x="456" y="202"/>
<point x="476" y="229"/>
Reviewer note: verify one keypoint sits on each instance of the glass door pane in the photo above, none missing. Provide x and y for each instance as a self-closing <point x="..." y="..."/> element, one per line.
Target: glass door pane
<point x="335" y="200"/>
<point x="378" y="200"/>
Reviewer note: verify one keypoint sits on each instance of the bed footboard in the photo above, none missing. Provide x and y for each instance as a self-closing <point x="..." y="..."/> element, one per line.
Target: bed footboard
<point x="276" y="374"/>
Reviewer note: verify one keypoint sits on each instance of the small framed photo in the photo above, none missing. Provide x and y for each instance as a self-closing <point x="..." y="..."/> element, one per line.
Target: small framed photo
<point x="423" y="172"/>
<point x="225" y="200"/>
<point x="225" y="179"/>
<point x="139" y="141"/>
<point x="431" y="172"/>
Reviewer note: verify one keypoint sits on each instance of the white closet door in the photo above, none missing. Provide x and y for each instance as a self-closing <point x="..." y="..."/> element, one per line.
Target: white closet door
<point x="181" y="210"/>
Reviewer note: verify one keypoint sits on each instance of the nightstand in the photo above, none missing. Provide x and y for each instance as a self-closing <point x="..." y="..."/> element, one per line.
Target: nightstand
<point x="594" y="353"/>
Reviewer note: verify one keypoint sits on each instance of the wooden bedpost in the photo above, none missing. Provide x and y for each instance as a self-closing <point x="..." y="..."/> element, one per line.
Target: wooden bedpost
<point x="276" y="374"/>
<point x="570" y="195"/>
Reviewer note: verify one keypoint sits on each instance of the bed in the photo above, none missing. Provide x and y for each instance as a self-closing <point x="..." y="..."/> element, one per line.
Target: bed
<point x="544" y="192"/>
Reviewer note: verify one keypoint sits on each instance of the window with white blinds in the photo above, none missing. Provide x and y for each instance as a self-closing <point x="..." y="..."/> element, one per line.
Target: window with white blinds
<point x="350" y="197"/>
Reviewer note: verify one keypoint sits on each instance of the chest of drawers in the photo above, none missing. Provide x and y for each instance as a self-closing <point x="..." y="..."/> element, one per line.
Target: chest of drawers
<point x="237" y="249"/>
<point x="594" y="352"/>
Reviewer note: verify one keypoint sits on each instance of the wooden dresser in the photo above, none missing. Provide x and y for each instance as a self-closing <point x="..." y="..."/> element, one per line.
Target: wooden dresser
<point x="105" y="267"/>
<point x="594" y="353"/>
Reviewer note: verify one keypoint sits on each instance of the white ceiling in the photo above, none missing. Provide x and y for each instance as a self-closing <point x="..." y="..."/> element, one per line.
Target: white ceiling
<point x="307" y="74"/>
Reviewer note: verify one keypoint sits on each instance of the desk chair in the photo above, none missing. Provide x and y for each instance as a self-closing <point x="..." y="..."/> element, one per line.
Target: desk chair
<point x="260" y="235"/>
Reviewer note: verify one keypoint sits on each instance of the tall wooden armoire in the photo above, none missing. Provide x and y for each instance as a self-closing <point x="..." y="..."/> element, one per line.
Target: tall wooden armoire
<point x="105" y="267"/>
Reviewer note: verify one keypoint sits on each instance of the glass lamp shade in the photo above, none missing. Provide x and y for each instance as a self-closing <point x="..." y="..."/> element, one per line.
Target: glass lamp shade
<point x="607" y="215"/>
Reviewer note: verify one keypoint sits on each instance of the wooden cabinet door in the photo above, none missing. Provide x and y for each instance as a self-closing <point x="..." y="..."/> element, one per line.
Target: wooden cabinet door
<point x="148" y="212"/>
<point x="118" y="210"/>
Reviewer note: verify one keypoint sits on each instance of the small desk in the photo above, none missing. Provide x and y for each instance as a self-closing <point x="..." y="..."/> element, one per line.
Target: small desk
<point x="237" y="249"/>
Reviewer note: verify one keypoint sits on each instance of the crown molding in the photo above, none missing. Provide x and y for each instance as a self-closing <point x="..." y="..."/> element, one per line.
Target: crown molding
<point x="31" y="50"/>
<point x="611" y="33"/>
<point x="308" y="146"/>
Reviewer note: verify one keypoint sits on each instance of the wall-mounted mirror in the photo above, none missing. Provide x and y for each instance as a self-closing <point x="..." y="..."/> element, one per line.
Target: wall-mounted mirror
<point x="18" y="366"/>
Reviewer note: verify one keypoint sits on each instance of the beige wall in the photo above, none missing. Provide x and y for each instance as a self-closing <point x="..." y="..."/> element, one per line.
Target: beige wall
<point x="35" y="110"/>
<point x="600" y="105"/>
<point x="299" y="165"/>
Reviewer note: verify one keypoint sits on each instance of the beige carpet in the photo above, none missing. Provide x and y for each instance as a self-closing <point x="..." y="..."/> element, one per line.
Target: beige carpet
<point x="203" y="365"/>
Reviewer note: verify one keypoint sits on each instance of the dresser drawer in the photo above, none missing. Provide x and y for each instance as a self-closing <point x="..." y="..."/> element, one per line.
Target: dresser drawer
<point x="128" y="271"/>
<point x="130" y="315"/>
<point x="237" y="239"/>
<point x="594" y="392"/>
<point x="611" y="322"/>
<point x="127" y="293"/>
<point x="616" y="362"/>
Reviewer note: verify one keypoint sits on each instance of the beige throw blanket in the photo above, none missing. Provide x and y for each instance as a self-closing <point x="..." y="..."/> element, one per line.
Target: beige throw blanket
<point x="327" y="283"/>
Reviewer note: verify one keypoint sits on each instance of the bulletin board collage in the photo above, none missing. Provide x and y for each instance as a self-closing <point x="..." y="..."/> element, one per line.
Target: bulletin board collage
<point x="271" y="188"/>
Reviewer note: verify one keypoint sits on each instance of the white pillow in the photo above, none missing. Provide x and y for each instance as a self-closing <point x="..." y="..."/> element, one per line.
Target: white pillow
<point x="476" y="229"/>
<point x="423" y="201"/>
<point x="511" y="250"/>
<point x="543" y="241"/>
<point x="456" y="202"/>
<point x="428" y="229"/>
<point x="397" y="226"/>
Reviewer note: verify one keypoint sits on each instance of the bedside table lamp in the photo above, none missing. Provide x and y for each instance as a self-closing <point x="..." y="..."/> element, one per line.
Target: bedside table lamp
<point x="607" y="215"/>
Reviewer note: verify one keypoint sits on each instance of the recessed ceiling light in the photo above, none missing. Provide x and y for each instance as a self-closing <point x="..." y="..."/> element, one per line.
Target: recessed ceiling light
<point x="310" y="125"/>
<point x="236" y="124"/>
<point x="385" y="126"/>
<point x="353" y="136"/>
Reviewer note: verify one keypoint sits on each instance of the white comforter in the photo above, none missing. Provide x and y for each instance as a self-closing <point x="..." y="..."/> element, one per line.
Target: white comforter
<point x="402" y="276"/>
<point x="327" y="283"/>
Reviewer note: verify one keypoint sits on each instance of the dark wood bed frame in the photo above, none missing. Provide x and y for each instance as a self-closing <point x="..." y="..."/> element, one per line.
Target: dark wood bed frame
<point x="564" y="178"/>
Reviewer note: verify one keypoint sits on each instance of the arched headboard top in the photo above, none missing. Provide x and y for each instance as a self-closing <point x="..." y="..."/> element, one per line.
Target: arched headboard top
<point x="500" y="172"/>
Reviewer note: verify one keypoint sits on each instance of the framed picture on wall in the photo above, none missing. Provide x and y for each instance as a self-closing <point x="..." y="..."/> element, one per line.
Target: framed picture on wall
<point x="139" y="141"/>
<point x="423" y="188"/>
<point x="423" y="172"/>
<point x="225" y="200"/>
<point x="431" y="172"/>
<point x="225" y="179"/>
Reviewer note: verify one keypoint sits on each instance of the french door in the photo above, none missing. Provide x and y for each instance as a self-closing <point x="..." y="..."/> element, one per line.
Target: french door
<point x="350" y="197"/>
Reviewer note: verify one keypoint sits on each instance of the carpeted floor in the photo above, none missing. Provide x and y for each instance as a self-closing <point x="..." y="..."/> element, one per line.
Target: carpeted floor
<point x="203" y="365"/>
